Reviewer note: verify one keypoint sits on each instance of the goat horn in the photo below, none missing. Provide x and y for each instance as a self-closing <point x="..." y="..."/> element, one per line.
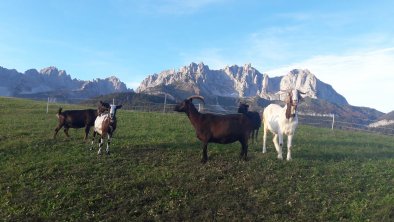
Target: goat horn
<point x="282" y="92"/>
<point x="303" y="93"/>
<point x="197" y="97"/>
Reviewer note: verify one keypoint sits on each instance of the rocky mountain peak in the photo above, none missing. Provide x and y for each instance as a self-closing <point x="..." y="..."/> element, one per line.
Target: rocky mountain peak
<point x="301" y="79"/>
<point x="194" y="68"/>
<point x="50" y="71"/>
<point x="51" y="79"/>
<point x="118" y="85"/>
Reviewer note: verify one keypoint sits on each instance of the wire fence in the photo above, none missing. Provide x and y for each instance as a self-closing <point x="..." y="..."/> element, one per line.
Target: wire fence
<point x="325" y="120"/>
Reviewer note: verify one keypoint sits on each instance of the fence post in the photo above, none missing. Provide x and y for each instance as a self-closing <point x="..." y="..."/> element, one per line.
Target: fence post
<point x="48" y="106"/>
<point x="333" y="122"/>
<point x="165" y="102"/>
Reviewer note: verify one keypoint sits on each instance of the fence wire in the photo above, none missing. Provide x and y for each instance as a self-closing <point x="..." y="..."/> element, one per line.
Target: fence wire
<point x="314" y="119"/>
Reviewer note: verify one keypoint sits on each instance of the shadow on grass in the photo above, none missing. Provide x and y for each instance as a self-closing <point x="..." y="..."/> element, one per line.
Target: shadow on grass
<point x="193" y="148"/>
<point x="338" y="156"/>
<point x="347" y="150"/>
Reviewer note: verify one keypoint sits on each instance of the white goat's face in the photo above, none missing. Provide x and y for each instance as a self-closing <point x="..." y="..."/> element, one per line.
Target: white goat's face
<point x="293" y="101"/>
<point x="295" y="98"/>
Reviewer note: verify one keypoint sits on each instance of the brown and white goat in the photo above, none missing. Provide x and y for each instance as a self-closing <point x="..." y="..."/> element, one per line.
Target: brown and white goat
<point x="105" y="126"/>
<point x="211" y="128"/>
<point x="254" y="117"/>
<point x="78" y="119"/>
<point x="282" y="120"/>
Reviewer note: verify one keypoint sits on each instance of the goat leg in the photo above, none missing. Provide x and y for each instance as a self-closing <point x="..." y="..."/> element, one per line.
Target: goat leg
<point x="57" y="130"/>
<point x="244" y="148"/>
<point x="204" y="153"/>
<point x="94" y="136"/>
<point x="108" y="142"/>
<point x="246" y="152"/>
<point x="278" y="146"/>
<point x="87" y="129"/>
<point x="289" y="139"/>
<point x="256" y="135"/>
<point x="100" y="144"/>
<point x="265" y="139"/>
<point x="66" y="131"/>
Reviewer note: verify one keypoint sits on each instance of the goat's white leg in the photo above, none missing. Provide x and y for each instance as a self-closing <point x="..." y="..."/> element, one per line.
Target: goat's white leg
<point x="278" y="147"/>
<point x="100" y="144"/>
<point x="264" y="139"/>
<point x="289" y="140"/>
<point x="108" y="142"/>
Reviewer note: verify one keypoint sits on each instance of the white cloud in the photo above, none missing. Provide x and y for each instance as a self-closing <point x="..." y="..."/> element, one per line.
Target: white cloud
<point x="364" y="78"/>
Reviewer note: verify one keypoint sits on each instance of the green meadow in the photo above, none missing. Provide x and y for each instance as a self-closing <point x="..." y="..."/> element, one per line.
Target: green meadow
<point x="154" y="173"/>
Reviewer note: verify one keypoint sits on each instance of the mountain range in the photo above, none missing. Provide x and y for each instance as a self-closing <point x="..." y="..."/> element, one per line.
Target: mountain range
<point x="223" y="88"/>
<point x="53" y="82"/>
<point x="236" y="81"/>
<point x="231" y="84"/>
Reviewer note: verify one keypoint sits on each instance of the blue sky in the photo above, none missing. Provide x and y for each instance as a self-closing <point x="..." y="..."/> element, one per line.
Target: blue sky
<point x="348" y="44"/>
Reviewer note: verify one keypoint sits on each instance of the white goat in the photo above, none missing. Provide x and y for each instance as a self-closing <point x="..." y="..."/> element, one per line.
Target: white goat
<point x="105" y="125"/>
<point x="282" y="120"/>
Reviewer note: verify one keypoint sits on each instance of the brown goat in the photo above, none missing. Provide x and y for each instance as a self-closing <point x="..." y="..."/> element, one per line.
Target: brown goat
<point x="78" y="119"/>
<point x="211" y="128"/>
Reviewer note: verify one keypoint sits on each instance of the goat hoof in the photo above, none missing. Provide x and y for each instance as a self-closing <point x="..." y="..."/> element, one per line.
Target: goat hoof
<point x="108" y="153"/>
<point x="204" y="161"/>
<point x="280" y="157"/>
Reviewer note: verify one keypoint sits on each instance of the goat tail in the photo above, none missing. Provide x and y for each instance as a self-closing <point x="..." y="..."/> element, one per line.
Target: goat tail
<point x="59" y="112"/>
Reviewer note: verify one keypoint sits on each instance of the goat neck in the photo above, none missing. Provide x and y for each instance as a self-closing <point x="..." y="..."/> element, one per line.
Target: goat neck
<point x="288" y="110"/>
<point x="193" y="114"/>
<point x="290" y="103"/>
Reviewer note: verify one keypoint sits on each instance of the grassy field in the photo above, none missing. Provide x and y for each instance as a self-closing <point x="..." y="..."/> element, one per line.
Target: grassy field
<point x="154" y="173"/>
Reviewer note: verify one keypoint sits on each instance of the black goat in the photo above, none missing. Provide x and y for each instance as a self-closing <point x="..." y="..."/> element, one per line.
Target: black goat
<point x="254" y="117"/>
<point x="78" y="119"/>
<point x="211" y="128"/>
